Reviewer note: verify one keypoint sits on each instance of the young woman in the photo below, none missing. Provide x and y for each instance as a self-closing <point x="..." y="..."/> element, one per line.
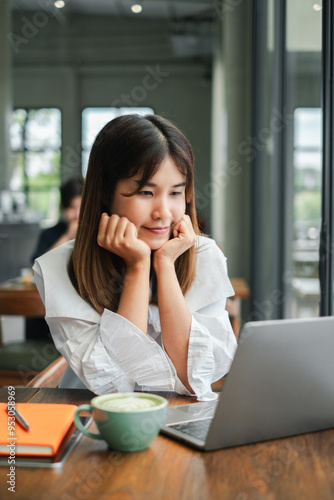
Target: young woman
<point x="138" y="300"/>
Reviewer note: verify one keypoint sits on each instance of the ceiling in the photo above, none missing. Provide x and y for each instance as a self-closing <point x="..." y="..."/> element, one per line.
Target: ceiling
<point x="159" y="9"/>
<point x="189" y="22"/>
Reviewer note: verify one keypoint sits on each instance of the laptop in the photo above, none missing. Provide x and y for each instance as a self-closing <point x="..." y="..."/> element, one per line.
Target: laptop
<point x="281" y="383"/>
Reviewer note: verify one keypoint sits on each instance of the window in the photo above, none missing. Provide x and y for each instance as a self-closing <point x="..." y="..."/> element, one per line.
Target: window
<point x="35" y="139"/>
<point x="307" y="210"/>
<point x="93" y="119"/>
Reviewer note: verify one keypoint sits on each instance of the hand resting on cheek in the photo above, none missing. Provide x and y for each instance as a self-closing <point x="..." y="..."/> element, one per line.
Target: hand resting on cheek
<point x="184" y="237"/>
<point x="119" y="236"/>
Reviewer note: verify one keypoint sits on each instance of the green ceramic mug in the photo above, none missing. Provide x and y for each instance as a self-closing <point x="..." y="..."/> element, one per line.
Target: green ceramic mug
<point x="127" y="421"/>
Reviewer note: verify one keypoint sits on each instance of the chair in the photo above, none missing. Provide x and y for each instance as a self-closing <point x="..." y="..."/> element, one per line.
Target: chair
<point x="51" y="375"/>
<point x="21" y="361"/>
<point x="233" y="305"/>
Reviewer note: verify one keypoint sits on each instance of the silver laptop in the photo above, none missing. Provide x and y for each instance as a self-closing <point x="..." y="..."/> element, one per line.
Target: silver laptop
<point x="281" y="383"/>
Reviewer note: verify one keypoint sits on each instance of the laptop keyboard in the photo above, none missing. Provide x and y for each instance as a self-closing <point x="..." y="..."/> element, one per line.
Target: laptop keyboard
<point x="197" y="428"/>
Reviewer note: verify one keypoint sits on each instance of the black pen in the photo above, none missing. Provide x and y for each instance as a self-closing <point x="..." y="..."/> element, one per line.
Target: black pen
<point x="21" y="420"/>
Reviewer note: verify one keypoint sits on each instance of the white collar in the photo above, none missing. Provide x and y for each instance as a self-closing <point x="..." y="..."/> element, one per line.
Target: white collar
<point x="61" y="299"/>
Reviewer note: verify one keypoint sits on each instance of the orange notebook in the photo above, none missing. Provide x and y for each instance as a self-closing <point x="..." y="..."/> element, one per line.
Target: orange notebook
<point x="49" y="423"/>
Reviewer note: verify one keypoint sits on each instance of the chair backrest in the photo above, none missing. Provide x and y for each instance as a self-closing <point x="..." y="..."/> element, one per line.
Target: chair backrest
<point x="51" y="375"/>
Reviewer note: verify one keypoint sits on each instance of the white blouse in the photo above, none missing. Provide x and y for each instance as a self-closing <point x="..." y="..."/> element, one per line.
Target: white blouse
<point x="110" y="354"/>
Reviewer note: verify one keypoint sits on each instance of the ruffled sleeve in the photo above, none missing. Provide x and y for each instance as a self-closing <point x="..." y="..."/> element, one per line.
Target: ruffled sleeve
<point x="108" y="353"/>
<point x="212" y="343"/>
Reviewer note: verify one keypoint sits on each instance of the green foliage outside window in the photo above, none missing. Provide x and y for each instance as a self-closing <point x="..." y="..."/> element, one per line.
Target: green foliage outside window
<point x="35" y="136"/>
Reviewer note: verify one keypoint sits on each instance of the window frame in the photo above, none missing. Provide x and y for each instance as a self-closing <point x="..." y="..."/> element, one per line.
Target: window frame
<point x="26" y="188"/>
<point x="271" y="254"/>
<point x="326" y="269"/>
<point x="121" y="111"/>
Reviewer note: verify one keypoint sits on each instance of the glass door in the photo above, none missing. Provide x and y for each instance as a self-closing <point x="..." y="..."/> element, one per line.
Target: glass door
<point x="287" y="170"/>
<point x="304" y="154"/>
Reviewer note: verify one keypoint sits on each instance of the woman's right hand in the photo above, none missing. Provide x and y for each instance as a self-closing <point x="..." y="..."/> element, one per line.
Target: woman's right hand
<point x="119" y="236"/>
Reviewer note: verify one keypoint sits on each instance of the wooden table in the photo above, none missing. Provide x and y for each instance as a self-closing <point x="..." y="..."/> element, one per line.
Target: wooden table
<point x="17" y="299"/>
<point x="294" y="468"/>
<point x="21" y="299"/>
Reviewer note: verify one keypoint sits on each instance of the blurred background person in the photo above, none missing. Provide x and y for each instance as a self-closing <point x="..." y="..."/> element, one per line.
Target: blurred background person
<point x="66" y="227"/>
<point x="64" y="230"/>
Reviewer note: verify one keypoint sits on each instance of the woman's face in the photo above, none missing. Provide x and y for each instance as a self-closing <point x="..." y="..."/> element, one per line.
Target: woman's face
<point x="157" y="207"/>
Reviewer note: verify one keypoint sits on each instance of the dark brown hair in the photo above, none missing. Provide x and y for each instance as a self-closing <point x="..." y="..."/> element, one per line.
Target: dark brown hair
<point x="125" y="146"/>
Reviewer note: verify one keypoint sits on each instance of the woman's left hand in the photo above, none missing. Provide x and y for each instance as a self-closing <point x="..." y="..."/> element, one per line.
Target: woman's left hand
<point x="184" y="237"/>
